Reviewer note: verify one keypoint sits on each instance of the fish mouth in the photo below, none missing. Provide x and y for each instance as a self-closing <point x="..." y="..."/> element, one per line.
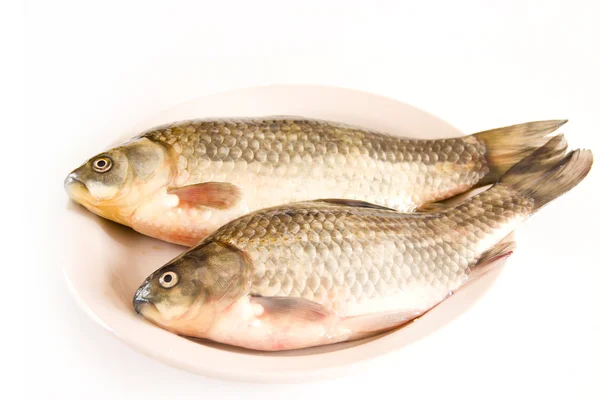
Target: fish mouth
<point x="76" y="189"/>
<point x="147" y="310"/>
<point x="139" y="305"/>
<point x="140" y="301"/>
<point x="80" y="193"/>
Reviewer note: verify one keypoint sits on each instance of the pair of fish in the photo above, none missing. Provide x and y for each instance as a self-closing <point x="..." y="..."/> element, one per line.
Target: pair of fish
<point x="275" y="269"/>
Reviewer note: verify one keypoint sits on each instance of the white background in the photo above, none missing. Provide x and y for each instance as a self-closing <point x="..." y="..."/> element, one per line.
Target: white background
<point x="90" y="66"/>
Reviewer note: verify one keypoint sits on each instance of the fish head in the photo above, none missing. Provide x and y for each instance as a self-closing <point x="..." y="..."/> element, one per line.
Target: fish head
<point x="112" y="183"/>
<point x="186" y="295"/>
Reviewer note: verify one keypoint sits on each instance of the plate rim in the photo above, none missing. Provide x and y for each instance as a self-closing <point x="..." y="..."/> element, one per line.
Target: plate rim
<point x="275" y="376"/>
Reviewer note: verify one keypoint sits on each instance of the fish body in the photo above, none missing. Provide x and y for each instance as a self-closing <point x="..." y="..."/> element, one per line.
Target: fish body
<point x="179" y="182"/>
<point x="320" y="272"/>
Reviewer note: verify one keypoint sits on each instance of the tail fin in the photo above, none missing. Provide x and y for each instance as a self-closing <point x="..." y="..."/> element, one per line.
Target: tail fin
<point x="509" y="145"/>
<point x="547" y="173"/>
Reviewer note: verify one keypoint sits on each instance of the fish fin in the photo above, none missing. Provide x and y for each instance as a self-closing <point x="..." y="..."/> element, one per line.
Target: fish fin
<point x="290" y="306"/>
<point x="450" y="202"/>
<point x="493" y="258"/>
<point x="508" y="145"/>
<point x="436" y="207"/>
<point x="219" y="195"/>
<point x="353" y="203"/>
<point x="286" y="117"/>
<point x="371" y="324"/>
<point x="547" y="173"/>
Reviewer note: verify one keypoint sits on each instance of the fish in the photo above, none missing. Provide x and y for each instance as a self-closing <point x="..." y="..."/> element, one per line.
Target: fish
<point x="325" y="271"/>
<point x="181" y="181"/>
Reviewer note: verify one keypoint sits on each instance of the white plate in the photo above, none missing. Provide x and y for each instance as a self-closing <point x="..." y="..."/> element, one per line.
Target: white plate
<point x="106" y="262"/>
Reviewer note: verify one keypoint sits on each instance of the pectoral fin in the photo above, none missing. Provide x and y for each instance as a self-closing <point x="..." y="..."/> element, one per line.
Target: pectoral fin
<point x="219" y="195"/>
<point x="293" y="307"/>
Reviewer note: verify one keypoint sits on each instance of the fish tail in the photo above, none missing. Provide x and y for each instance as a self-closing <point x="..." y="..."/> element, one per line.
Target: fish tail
<point x="508" y="145"/>
<point x="548" y="172"/>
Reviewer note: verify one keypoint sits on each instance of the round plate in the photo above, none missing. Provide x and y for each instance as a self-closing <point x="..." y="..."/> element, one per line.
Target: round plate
<point x="106" y="262"/>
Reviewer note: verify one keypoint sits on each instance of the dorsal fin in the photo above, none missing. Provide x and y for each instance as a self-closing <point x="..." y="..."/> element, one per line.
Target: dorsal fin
<point x="354" y="203"/>
<point x="441" y="205"/>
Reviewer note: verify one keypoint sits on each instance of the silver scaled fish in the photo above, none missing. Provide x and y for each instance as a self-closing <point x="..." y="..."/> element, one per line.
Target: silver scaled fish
<point x="180" y="182"/>
<point x="326" y="271"/>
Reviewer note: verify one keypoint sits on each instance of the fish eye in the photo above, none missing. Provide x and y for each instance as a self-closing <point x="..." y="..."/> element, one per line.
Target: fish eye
<point x="168" y="279"/>
<point x="102" y="164"/>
